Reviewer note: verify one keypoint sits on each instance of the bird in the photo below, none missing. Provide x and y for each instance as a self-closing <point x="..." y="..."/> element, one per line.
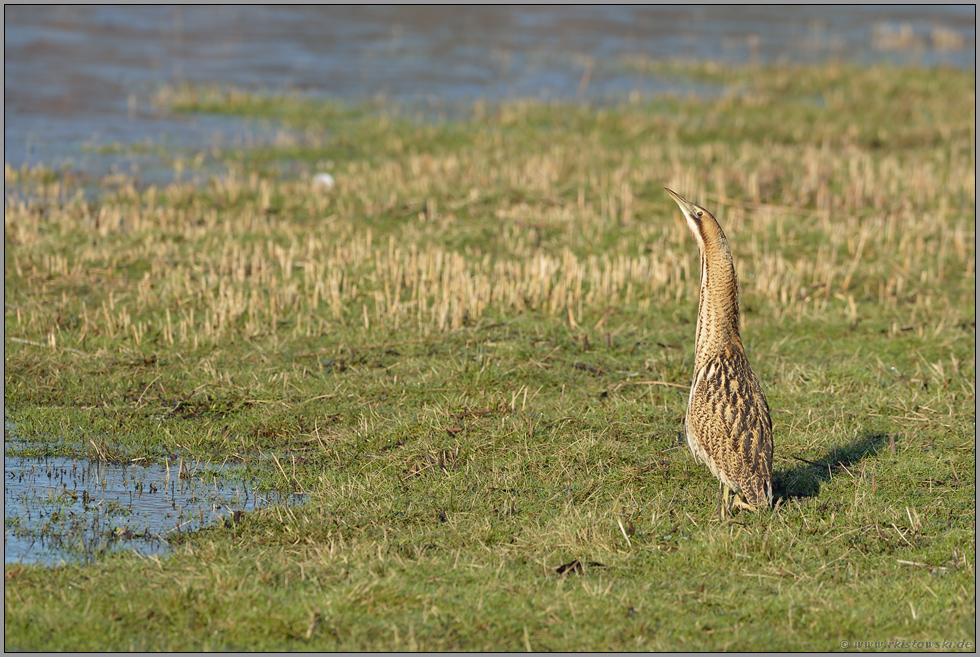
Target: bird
<point x="728" y="424"/>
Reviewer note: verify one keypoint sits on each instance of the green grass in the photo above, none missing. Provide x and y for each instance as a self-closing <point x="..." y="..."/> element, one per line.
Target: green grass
<point x="472" y="358"/>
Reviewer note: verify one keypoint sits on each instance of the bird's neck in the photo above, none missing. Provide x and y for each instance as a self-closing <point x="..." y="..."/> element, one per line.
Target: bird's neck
<point x="718" y="301"/>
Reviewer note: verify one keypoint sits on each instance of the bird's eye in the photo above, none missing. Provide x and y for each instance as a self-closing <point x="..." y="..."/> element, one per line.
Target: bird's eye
<point x="699" y="214"/>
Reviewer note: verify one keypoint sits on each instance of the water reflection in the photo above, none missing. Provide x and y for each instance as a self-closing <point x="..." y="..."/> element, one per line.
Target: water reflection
<point x="63" y="509"/>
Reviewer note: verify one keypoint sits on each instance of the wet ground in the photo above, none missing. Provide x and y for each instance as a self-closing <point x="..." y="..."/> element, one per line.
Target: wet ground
<point x="62" y="509"/>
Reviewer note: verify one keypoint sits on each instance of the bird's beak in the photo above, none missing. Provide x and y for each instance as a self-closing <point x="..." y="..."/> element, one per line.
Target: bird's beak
<point x="686" y="207"/>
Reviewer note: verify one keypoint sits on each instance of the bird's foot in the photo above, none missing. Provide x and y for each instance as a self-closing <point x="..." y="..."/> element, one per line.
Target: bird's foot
<point x="738" y="501"/>
<point x="728" y="501"/>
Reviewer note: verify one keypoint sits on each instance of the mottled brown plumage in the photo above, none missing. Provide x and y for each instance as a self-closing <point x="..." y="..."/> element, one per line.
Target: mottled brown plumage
<point x="728" y="425"/>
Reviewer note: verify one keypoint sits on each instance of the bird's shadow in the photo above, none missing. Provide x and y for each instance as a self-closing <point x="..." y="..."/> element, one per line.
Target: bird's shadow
<point x="804" y="480"/>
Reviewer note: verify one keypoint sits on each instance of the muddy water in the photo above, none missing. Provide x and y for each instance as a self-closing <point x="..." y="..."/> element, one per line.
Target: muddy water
<point x="77" y="77"/>
<point x="68" y="510"/>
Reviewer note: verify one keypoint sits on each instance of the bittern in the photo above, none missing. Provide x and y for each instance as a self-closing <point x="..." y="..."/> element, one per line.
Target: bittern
<point x="728" y="425"/>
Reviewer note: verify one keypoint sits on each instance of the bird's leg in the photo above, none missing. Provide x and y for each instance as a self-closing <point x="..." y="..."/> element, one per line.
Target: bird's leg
<point x="741" y="503"/>
<point x="724" y="508"/>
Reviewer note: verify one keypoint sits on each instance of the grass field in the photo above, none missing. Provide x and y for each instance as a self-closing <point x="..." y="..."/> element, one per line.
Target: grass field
<point x="473" y="355"/>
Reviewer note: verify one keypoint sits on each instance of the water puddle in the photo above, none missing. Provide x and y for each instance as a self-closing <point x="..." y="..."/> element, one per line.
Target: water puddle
<point x="59" y="510"/>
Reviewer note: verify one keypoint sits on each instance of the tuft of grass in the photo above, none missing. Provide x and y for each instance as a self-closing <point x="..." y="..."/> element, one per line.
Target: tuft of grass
<point x="472" y="357"/>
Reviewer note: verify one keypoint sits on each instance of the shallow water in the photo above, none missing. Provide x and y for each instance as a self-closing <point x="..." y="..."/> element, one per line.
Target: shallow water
<point x="68" y="510"/>
<point x="77" y="77"/>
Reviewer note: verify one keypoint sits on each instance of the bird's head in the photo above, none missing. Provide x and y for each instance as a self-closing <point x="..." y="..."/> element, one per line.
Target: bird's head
<point x="694" y="214"/>
<point x="712" y="243"/>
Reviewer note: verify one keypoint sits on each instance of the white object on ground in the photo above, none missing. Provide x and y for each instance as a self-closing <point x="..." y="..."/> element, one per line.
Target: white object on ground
<point x="323" y="181"/>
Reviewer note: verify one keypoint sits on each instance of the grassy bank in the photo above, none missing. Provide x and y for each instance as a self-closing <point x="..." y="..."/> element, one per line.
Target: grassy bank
<point x="472" y="355"/>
